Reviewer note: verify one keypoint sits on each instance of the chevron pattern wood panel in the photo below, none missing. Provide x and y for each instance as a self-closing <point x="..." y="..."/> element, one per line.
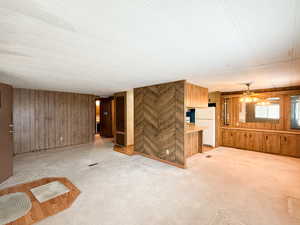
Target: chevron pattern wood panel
<point x="151" y="120"/>
<point x="180" y="122"/>
<point x="139" y="120"/>
<point x="159" y="121"/>
<point x="167" y="121"/>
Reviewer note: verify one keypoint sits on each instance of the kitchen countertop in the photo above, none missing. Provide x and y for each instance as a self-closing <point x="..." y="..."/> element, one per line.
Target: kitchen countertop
<point x="189" y="128"/>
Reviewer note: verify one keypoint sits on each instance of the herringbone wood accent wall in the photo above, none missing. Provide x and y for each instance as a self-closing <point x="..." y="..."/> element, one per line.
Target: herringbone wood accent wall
<point x="47" y="119"/>
<point x="159" y="121"/>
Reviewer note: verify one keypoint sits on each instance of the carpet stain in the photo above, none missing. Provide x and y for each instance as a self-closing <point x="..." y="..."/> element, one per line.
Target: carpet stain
<point x="93" y="164"/>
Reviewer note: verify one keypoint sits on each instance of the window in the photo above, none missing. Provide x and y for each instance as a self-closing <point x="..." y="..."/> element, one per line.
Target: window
<point x="295" y="112"/>
<point x="270" y="112"/>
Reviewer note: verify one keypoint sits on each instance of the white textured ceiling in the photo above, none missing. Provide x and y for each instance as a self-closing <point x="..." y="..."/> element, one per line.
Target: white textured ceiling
<point x="100" y="47"/>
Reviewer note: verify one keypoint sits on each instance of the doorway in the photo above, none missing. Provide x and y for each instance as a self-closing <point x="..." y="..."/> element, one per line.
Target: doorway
<point x="104" y="108"/>
<point x="97" y="106"/>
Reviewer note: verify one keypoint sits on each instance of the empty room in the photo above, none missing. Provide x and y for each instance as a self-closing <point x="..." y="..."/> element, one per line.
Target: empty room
<point x="150" y="112"/>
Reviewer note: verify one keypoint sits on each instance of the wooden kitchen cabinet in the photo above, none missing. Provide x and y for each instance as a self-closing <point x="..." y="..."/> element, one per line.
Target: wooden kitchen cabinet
<point x="254" y="141"/>
<point x="193" y="143"/>
<point x="229" y="138"/>
<point x="271" y="143"/>
<point x="195" y="96"/>
<point x="241" y="140"/>
<point x="290" y="145"/>
<point x="261" y="141"/>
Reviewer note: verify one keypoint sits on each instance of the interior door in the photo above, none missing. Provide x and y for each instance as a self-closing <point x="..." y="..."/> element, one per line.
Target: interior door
<point x="120" y="119"/>
<point x="106" y="117"/>
<point x="6" y="129"/>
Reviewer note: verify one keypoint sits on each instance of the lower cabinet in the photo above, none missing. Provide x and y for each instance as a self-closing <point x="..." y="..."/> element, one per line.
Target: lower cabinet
<point x="193" y="143"/>
<point x="249" y="140"/>
<point x="268" y="142"/>
<point x="229" y="138"/>
<point x="255" y="141"/>
<point x="290" y="145"/>
<point x="271" y="143"/>
<point x="241" y="140"/>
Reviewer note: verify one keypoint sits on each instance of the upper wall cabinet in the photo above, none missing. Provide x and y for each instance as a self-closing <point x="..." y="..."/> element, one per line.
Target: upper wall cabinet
<point x="195" y="96"/>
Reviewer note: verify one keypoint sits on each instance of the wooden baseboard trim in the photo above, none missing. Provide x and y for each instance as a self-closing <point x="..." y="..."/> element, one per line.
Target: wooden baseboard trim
<point x="161" y="160"/>
<point x="57" y="148"/>
<point x="128" y="150"/>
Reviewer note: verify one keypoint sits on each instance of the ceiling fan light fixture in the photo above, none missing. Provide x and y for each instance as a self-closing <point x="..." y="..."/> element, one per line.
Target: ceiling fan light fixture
<point x="249" y="99"/>
<point x="248" y="95"/>
<point x="263" y="102"/>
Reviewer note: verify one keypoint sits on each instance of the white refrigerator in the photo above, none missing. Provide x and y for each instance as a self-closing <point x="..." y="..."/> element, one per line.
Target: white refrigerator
<point x="205" y="117"/>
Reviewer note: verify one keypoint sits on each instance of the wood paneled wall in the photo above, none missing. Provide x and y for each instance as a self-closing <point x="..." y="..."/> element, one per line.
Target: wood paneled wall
<point x="234" y="110"/>
<point x="283" y="124"/>
<point x="269" y="137"/>
<point x="159" y="121"/>
<point x="215" y="97"/>
<point x="47" y="119"/>
<point x="129" y="117"/>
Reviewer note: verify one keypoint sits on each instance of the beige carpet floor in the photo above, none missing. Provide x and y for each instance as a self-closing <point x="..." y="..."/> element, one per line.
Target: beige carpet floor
<point x="232" y="187"/>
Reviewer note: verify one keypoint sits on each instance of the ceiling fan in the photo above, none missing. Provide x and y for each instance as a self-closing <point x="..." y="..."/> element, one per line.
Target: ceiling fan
<point x="249" y="96"/>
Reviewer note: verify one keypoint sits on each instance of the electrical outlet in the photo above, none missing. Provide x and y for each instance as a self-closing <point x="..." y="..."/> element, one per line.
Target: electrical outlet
<point x="167" y="152"/>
